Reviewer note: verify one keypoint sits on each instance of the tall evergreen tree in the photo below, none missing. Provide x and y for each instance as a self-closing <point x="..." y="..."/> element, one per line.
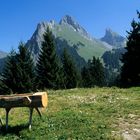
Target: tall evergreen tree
<point x="48" y="69"/>
<point x="130" y="72"/>
<point x="70" y="71"/>
<point x="93" y="75"/>
<point x="86" y="77"/>
<point x="26" y="70"/>
<point x="19" y="74"/>
<point x="9" y="74"/>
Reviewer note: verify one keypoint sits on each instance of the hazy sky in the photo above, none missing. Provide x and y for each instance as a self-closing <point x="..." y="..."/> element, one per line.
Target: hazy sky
<point x="19" y="18"/>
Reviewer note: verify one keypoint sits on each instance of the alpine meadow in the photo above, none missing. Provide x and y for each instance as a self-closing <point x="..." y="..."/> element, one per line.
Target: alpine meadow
<point x="62" y="82"/>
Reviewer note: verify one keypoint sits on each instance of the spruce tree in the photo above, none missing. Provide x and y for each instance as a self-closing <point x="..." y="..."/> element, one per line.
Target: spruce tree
<point x="19" y="74"/>
<point x="9" y="75"/>
<point x="48" y="69"/>
<point x="97" y="72"/>
<point x="26" y="70"/>
<point x="130" y="72"/>
<point x="70" y="71"/>
<point x="86" y="77"/>
<point x="93" y="75"/>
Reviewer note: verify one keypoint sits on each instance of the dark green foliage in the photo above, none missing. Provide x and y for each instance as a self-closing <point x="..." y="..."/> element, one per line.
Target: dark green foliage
<point x="3" y="88"/>
<point x="19" y="74"/>
<point x="93" y="75"/>
<point x="26" y="70"/>
<point x="9" y="75"/>
<point x="48" y="69"/>
<point x="70" y="71"/>
<point x="86" y="77"/>
<point x="130" y="74"/>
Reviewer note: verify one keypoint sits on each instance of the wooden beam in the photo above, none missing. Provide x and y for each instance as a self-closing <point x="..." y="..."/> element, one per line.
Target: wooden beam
<point x="32" y="101"/>
<point x="30" y="118"/>
<point x="39" y="99"/>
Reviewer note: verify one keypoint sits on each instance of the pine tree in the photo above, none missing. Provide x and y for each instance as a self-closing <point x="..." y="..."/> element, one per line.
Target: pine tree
<point x="97" y="72"/>
<point x="26" y="70"/>
<point x="9" y="75"/>
<point x="48" y="69"/>
<point x="130" y="72"/>
<point x="86" y="77"/>
<point x="19" y="74"/>
<point x="70" y="71"/>
<point x="93" y="75"/>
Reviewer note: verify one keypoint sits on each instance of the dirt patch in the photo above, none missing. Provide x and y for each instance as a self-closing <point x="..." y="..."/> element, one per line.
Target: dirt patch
<point x="130" y="128"/>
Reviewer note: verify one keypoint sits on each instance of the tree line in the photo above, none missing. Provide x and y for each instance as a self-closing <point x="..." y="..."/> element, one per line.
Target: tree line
<point x="21" y="75"/>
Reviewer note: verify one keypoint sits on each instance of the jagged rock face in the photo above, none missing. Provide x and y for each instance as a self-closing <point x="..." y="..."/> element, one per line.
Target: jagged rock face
<point x="70" y="34"/>
<point x="68" y="20"/>
<point x="35" y="42"/>
<point x="75" y="35"/>
<point x="113" y="39"/>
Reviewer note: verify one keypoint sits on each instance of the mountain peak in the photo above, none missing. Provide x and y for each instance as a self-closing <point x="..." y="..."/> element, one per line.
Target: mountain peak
<point x="67" y="19"/>
<point x="113" y="38"/>
<point x="110" y="32"/>
<point x="70" y="21"/>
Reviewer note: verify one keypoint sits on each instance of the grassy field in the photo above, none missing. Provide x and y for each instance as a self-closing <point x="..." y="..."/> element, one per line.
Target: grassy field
<point x="80" y="114"/>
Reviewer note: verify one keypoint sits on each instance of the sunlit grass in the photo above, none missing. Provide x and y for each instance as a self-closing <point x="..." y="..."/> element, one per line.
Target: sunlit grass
<point x="96" y="113"/>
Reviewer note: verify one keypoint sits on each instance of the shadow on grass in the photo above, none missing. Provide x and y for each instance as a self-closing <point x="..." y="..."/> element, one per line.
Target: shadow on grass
<point x="13" y="130"/>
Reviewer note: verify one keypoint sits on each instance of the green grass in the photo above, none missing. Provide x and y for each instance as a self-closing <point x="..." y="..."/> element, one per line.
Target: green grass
<point x="91" y="48"/>
<point x="79" y="114"/>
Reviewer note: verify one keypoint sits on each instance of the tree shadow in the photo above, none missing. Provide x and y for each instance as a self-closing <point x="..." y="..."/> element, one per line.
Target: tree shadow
<point x="13" y="129"/>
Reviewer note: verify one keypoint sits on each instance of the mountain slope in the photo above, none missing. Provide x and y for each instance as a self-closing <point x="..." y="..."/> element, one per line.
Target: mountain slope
<point x="68" y="30"/>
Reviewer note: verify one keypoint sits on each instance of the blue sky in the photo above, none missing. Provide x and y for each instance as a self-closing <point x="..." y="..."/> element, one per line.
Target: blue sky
<point x="19" y="18"/>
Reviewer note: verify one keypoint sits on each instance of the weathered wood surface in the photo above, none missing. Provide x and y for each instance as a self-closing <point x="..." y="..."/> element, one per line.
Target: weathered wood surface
<point x="38" y="99"/>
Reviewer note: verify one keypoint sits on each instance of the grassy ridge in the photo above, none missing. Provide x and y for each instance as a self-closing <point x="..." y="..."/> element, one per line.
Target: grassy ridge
<point x="91" y="47"/>
<point x="82" y="114"/>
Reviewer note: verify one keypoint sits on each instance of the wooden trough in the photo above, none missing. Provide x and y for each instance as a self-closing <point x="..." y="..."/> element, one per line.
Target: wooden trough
<point x="33" y="101"/>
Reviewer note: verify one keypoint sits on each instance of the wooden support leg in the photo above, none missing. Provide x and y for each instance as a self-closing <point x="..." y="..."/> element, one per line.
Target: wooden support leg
<point x="7" y="112"/>
<point x="30" y="118"/>
<point x="1" y="122"/>
<point x="38" y="112"/>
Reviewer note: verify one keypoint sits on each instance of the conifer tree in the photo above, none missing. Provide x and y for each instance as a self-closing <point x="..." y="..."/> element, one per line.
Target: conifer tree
<point x="70" y="71"/>
<point x="86" y="77"/>
<point x="19" y="74"/>
<point x="97" y="72"/>
<point x="48" y="69"/>
<point x="9" y="74"/>
<point x="130" y="72"/>
<point x="93" y="75"/>
<point x="26" y="70"/>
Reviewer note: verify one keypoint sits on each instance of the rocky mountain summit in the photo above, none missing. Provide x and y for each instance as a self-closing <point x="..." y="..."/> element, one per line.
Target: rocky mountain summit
<point x="68" y="31"/>
<point x="114" y="39"/>
<point x="68" y="20"/>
